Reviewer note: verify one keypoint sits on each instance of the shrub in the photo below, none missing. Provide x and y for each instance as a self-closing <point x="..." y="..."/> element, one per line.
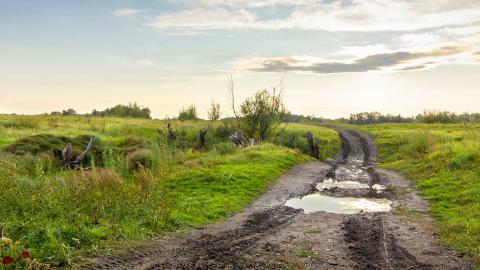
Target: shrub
<point x="262" y="113"/>
<point x="214" y="112"/>
<point x="188" y="113"/>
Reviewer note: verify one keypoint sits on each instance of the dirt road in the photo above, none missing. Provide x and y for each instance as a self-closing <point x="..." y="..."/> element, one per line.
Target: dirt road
<point x="270" y="235"/>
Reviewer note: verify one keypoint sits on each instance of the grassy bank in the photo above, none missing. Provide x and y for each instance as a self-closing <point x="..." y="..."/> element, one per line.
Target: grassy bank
<point x="443" y="159"/>
<point x="60" y="215"/>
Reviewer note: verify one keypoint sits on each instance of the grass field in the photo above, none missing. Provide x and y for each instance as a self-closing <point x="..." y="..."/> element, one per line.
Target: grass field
<point x="444" y="160"/>
<point x="61" y="215"/>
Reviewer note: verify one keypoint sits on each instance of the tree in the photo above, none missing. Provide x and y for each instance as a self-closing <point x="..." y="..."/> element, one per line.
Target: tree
<point x="188" y="113"/>
<point x="262" y="113"/>
<point x="69" y="112"/>
<point x="214" y="112"/>
<point x="131" y="110"/>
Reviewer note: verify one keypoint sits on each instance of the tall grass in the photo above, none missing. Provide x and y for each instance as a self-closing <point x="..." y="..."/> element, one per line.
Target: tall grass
<point x="22" y="122"/>
<point x="141" y="185"/>
<point x="418" y="143"/>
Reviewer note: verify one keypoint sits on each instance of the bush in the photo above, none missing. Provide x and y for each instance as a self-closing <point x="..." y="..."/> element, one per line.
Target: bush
<point x="189" y="113"/>
<point x="262" y="113"/>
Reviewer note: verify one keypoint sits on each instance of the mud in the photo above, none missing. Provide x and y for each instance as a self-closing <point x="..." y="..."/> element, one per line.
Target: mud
<point x="269" y="235"/>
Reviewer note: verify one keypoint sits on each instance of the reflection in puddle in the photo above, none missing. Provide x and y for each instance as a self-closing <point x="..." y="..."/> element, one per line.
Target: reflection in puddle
<point x="330" y="183"/>
<point x="348" y="205"/>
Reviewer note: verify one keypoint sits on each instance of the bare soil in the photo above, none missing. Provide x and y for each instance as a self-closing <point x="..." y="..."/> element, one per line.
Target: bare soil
<point x="269" y="235"/>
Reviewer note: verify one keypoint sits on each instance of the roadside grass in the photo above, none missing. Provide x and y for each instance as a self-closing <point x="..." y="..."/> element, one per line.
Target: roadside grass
<point x="141" y="186"/>
<point x="443" y="159"/>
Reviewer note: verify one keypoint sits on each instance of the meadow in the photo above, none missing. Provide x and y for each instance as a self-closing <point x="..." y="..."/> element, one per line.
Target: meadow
<point x="141" y="185"/>
<point x="443" y="161"/>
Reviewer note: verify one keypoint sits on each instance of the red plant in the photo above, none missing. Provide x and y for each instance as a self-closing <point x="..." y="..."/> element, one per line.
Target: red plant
<point x="25" y="255"/>
<point x="7" y="260"/>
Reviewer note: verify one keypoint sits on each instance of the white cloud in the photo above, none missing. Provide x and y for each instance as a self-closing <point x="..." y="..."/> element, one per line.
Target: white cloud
<point x="364" y="50"/>
<point x="203" y="19"/>
<point x="338" y="15"/>
<point x="126" y="12"/>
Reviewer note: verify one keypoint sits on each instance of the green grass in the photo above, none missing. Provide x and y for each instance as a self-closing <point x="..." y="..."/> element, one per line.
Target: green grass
<point x="61" y="216"/>
<point x="444" y="161"/>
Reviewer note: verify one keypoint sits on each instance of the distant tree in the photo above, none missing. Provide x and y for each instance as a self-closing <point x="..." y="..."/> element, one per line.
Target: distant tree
<point x="132" y="110"/>
<point x="69" y="112"/>
<point x="188" y="113"/>
<point x="214" y="112"/>
<point x="368" y="118"/>
<point x="434" y="116"/>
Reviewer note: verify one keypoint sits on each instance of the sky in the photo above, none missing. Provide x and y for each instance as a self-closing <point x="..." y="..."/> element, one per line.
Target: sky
<point x="334" y="57"/>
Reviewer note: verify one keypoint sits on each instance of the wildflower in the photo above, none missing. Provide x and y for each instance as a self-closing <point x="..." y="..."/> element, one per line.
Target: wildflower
<point x="7" y="260"/>
<point x="25" y="255"/>
<point x="5" y="240"/>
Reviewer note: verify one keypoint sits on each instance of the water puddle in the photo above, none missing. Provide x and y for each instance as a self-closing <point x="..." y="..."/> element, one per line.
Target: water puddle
<point x="347" y="205"/>
<point x="330" y="183"/>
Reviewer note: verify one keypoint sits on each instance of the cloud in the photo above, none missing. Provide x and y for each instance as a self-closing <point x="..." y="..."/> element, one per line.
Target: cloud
<point x="126" y="12"/>
<point x="202" y="19"/>
<point x="364" y="50"/>
<point x="412" y="68"/>
<point x="335" y="15"/>
<point x="401" y="60"/>
<point x="145" y="62"/>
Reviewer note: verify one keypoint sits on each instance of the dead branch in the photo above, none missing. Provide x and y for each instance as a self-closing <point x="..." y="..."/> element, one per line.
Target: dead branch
<point x="231" y="91"/>
<point x="238" y="139"/>
<point x="67" y="155"/>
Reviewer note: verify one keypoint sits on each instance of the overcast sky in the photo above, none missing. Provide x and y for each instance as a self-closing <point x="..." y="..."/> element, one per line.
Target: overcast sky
<point x="336" y="57"/>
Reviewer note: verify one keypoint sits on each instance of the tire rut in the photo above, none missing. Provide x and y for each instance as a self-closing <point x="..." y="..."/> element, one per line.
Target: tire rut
<point x="370" y="244"/>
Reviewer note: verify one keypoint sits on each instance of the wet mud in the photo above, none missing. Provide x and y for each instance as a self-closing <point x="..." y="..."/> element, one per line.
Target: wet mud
<point x="271" y="235"/>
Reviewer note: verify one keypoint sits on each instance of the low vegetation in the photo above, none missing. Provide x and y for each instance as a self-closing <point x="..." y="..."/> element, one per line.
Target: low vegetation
<point x="144" y="181"/>
<point x="443" y="159"/>
<point x="428" y="116"/>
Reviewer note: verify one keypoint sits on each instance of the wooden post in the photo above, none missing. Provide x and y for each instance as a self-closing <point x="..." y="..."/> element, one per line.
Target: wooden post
<point x="202" y="134"/>
<point x="313" y="145"/>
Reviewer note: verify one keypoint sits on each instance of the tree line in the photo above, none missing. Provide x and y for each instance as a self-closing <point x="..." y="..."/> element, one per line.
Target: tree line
<point x="427" y="116"/>
<point x="132" y="110"/>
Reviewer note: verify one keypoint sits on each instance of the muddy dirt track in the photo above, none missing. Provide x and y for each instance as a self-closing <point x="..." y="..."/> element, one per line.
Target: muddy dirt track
<point x="270" y="235"/>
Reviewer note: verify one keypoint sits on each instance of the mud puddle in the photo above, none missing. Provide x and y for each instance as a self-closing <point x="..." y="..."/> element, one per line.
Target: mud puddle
<point x="330" y="184"/>
<point x="343" y="205"/>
